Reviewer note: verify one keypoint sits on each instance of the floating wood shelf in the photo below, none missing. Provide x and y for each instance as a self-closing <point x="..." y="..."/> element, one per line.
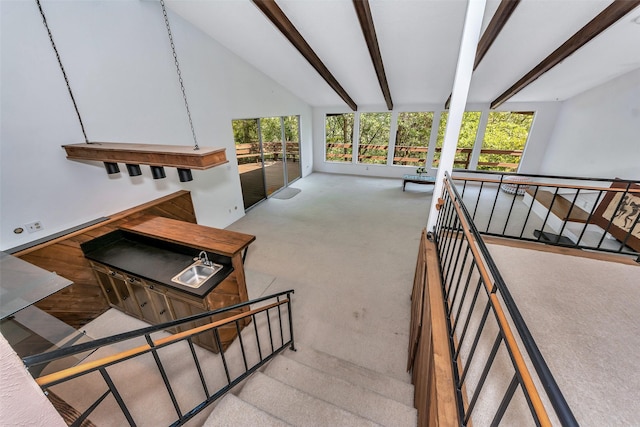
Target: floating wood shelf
<point x="178" y="156"/>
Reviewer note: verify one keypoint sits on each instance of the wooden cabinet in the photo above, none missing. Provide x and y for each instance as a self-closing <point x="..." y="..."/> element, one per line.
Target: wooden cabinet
<point x="157" y="303"/>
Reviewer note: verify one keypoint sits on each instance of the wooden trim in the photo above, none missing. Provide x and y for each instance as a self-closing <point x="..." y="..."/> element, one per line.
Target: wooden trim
<point x="498" y="21"/>
<point x="115" y="217"/>
<point x="542" y="247"/>
<point x="601" y="22"/>
<point x="178" y="156"/>
<point x="363" y="10"/>
<point x="286" y="27"/>
<point x="59" y="376"/>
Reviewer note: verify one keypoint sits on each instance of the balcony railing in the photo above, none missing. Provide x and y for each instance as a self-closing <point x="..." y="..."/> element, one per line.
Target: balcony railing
<point x="584" y="213"/>
<point x="507" y="160"/>
<point x="272" y="333"/>
<point x="490" y="344"/>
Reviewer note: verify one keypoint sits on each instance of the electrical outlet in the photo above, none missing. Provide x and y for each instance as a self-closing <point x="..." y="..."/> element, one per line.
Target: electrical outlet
<point x="34" y="226"/>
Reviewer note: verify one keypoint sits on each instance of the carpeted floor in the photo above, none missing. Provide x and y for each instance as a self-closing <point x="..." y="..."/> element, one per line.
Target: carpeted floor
<point x="348" y="247"/>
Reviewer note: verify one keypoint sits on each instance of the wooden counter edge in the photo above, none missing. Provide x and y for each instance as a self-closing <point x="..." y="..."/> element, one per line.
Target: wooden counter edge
<point x="190" y="234"/>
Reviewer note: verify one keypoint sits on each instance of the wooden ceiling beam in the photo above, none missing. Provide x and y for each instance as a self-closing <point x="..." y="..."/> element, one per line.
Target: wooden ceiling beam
<point x="601" y="22"/>
<point x="363" y="10"/>
<point x="497" y="23"/>
<point x="286" y="27"/>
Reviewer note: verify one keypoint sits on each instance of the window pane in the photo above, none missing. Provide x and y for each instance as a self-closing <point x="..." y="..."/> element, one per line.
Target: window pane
<point x="466" y="139"/>
<point x="412" y="138"/>
<point x="375" y="129"/>
<point x="339" y="137"/>
<point x="504" y="140"/>
<point x="292" y="148"/>
<point x="271" y="132"/>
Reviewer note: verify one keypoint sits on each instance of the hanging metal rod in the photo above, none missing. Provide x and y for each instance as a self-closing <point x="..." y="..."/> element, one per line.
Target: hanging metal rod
<point x="64" y="74"/>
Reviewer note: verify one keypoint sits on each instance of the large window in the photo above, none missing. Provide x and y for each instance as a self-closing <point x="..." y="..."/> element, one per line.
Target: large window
<point x="468" y="132"/>
<point x="504" y="140"/>
<point x="412" y="138"/>
<point x="373" y="146"/>
<point x="339" y="137"/>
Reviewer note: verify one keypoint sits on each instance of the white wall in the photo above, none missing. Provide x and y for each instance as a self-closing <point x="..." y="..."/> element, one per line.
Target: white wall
<point x="598" y="132"/>
<point x="16" y="388"/>
<point x="544" y="122"/>
<point x="120" y="66"/>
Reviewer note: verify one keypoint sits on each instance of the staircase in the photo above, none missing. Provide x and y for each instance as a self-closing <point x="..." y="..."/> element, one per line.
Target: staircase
<point x="311" y="388"/>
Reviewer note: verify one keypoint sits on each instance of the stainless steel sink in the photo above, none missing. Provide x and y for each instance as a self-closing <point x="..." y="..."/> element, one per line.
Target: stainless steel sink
<point x="196" y="274"/>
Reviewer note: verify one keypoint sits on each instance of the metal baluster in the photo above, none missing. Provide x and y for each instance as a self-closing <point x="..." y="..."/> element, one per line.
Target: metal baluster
<point x="564" y="223"/>
<point x="198" y="367"/>
<point x="163" y="374"/>
<point x="468" y="319"/>
<point x="544" y="223"/>
<point x="78" y="422"/>
<point x="513" y="385"/>
<point x="495" y="201"/>
<point x="626" y="238"/>
<point x="280" y="320"/>
<point x="483" y="377"/>
<point x="455" y="293"/>
<point x="117" y="397"/>
<point x="529" y="212"/>
<point x="270" y="331"/>
<point x="475" y="342"/>
<point x="475" y="209"/>
<point x="244" y="355"/>
<point x="513" y="201"/>
<point x="216" y="334"/>
<point x="593" y="209"/>
<point x="255" y="327"/>
<point x="293" y="347"/>
<point x="464" y="293"/>
<point x="458" y="242"/>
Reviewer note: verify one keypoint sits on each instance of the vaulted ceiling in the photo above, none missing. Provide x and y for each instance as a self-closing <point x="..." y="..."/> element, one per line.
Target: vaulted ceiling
<point x="418" y="43"/>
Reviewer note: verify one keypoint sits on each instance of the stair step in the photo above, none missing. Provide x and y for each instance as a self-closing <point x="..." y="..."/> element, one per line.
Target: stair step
<point x="232" y="411"/>
<point x="351" y="397"/>
<point x="382" y="384"/>
<point x="294" y="406"/>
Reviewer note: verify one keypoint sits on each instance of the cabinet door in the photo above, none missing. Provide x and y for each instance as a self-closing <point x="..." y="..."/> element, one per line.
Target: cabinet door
<point x="143" y="300"/>
<point x="160" y="304"/>
<point x="119" y="283"/>
<point x="184" y="308"/>
<point x="107" y="288"/>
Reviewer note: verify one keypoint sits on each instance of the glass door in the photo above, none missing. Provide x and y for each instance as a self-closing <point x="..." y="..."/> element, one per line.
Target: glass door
<point x="250" y="163"/>
<point x="272" y="150"/>
<point x="266" y="162"/>
<point x="291" y="125"/>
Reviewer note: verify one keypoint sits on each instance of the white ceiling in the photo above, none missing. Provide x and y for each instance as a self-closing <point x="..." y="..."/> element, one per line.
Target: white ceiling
<point x="419" y="42"/>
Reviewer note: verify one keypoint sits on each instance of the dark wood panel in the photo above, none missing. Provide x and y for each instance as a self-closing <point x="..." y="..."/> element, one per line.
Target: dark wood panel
<point x="83" y="301"/>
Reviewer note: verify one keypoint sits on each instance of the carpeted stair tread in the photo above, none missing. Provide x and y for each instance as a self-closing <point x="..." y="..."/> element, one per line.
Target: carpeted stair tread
<point x="232" y="411"/>
<point x="351" y="397"/>
<point x="294" y="406"/>
<point x="382" y="384"/>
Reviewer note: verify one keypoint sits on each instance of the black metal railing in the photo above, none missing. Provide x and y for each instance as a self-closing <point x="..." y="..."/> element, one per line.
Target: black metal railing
<point x="491" y="371"/>
<point x="271" y="334"/>
<point x="585" y="213"/>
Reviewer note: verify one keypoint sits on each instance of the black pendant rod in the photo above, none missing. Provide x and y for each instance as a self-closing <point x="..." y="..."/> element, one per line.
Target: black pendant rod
<point x="64" y="74"/>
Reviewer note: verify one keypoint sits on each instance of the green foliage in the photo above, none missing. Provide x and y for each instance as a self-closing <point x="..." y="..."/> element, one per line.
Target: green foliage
<point x="414" y="130"/>
<point x="245" y="131"/>
<point x="270" y="129"/>
<point x="375" y="129"/>
<point x="506" y="130"/>
<point x="291" y="129"/>
<point x="339" y="130"/>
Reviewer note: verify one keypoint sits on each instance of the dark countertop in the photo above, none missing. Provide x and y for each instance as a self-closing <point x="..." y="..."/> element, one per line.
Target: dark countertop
<point x="152" y="259"/>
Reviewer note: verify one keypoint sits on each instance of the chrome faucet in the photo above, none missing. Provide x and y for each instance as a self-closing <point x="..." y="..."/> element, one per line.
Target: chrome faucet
<point x="204" y="258"/>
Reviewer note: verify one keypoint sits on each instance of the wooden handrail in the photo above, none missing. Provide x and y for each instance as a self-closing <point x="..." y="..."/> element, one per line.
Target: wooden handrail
<point x="508" y="335"/>
<point x="83" y="368"/>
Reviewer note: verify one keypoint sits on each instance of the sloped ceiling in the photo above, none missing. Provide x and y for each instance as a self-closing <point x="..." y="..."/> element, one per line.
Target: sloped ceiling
<point x="419" y="42"/>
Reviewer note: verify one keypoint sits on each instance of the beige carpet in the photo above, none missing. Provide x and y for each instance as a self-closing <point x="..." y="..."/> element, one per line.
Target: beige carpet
<point x="585" y="316"/>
